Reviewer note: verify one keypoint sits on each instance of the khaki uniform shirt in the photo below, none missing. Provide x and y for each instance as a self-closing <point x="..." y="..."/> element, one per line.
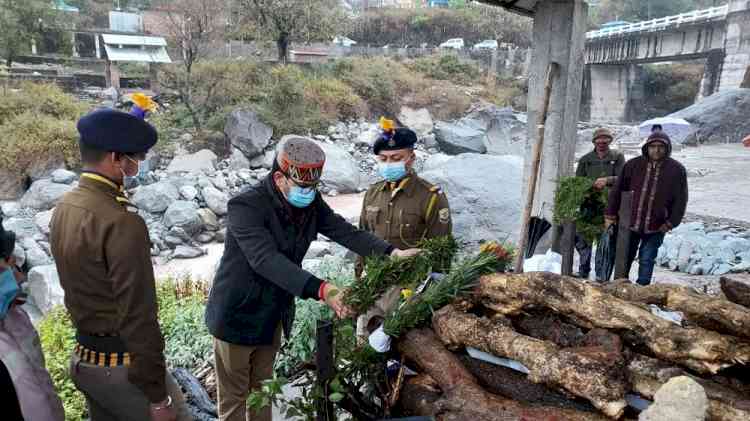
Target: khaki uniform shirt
<point x="406" y="212"/>
<point x="102" y="251"/>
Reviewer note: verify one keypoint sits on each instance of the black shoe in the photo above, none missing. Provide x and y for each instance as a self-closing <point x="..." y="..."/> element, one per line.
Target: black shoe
<point x="582" y="275"/>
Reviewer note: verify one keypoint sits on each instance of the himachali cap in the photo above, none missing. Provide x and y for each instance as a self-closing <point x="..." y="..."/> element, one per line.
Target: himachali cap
<point x="115" y="131"/>
<point x="302" y="160"/>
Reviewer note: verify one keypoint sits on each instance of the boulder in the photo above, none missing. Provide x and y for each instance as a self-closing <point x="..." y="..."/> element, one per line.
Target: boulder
<point x="368" y="136"/>
<point x="216" y="200"/>
<point x="183" y="214"/>
<point x="263" y="161"/>
<point x="9" y="209"/>
<point x="156" y="197"/>
<point x="20" y="254"/>
<point x="341" y="171"/>
<point x="238" y="160"/>
<point x="23" y="227"/>
<point x="484" y="193"/>
<point x="719" y="118"/>
<point x="42" y="220"/>
<point x="63" y="176"/>
<point x="680" y="399"/>
<point x="35" y="254"/>
<point x="205" y="237"/>
<point x="188" y="192"/>
<point x="418" y="120"/>
<point x="220" y="182"/>
<point x="247" y="133"/>
<point x="14" y="183"/>
<point x="210" y="221"/>
<point x="221" y="235"/>
<point x="455" y="139"/>
<point x="44" y="288"/>
<point x="43" y="194"/>
<point x="186" y="252"/>
<point x="506" y="134"/>
<point x="319" y="249"/>
<point x="201" y="161"/>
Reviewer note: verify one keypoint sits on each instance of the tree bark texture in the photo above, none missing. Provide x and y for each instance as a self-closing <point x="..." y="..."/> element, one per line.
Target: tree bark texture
<point x="647" y="375"/>
<point x="580" y="372"/>
<point x="737" y="289"/>
<point x="696" y="348"/>
<point x="712" y="313"/>
<point x="462" y="397"/>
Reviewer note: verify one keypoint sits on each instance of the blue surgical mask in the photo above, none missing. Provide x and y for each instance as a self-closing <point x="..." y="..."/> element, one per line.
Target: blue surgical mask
<point x="300" y="197"/>
<point x="393" y="171"/>
<point x="8" y="291"/>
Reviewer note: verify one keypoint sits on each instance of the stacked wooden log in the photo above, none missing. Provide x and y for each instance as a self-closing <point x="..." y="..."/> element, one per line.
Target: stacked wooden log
<point x="583" y="349"/>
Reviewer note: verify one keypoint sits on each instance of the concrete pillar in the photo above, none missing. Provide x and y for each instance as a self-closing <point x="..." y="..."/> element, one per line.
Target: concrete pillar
<point x="97" y="47"/>
<point x="75" y="46"/>
<point x="559" y="35"/>
<point x="153" y="78"/>
<point x="616" y="92"/>
<point x="711" y="74"/>
<point x="112" y="74"/>
<point x="736" y="46"/>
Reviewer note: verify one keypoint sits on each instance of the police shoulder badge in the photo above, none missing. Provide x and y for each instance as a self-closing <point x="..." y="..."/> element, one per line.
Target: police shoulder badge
<point x="444" y="215"/>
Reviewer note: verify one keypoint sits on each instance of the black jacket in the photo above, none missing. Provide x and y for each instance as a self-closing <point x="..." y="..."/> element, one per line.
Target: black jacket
<point x="260" y="274"/>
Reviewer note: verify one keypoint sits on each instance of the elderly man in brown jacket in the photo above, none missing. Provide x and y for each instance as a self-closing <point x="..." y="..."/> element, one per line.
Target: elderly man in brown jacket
<point x="660" y="196"/>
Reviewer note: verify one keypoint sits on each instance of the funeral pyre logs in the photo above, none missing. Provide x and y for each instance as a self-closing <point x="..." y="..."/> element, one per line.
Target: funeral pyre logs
<point x="586" y="351"/>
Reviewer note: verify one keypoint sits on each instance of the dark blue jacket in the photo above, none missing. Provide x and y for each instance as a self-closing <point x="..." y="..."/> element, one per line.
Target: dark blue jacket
<point x="260" y="274"/>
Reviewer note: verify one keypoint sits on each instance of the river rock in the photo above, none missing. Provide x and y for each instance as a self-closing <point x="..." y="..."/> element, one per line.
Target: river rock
<point x="35" y="254"/>
<point x="481" y="210"/>
<point x="63" y="176"/>
<point x="341" y="171"/>
<point x="263" y="161"/>
<point x="183" y="214"/>
<point x="216" y="200"/>
<point x="418" y="120"/>
<point x="9" y="209"/>
<point x="44" y="288"/>
<point x="42" y="220"/>
<point x="187" y="252"/>
<point x="680" y="399"/>
<point x="201" y="161"/>
<point x="23" y="227"/>
<point x="188" y="192"/>
<point x="156" y="197"/>
<point x="43" y="194"/>
<point x="247" y="132"/>
<point x="460" y="138"/>
<point x="210" y="221"/>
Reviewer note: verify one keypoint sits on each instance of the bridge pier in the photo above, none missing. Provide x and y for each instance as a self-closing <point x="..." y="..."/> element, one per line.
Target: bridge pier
<point x="711" y="74"/>
<point x="613" y="93"/>
<point x="736" y="46"/>
<point x="558" y="36"/>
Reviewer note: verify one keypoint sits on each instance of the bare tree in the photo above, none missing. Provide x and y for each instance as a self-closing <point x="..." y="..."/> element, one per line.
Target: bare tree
<point x="285" y="21"/>
<point x="193" y="26"/>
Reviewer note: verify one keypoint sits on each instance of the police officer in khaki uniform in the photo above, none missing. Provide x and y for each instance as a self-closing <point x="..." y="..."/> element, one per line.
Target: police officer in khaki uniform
<point x="102" y="251"/>
<point x="403" y="209"/>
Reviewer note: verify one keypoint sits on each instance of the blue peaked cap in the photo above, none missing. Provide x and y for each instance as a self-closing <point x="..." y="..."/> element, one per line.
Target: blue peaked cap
<point x="115" y="131"/>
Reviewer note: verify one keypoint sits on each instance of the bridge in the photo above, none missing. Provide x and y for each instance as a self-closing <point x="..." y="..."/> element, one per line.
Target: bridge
<point x="613" y="88"/>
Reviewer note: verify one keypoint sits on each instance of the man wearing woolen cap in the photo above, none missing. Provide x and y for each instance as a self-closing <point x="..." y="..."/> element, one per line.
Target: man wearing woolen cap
<point x="103" y="255"/>
<point x="269" y="230"/>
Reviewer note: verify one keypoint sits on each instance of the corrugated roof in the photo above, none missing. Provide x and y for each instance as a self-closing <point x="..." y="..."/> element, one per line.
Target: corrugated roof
<point x="134" y="40"/>
<point x="143" y="55"/>
<point x="523" y="7"/>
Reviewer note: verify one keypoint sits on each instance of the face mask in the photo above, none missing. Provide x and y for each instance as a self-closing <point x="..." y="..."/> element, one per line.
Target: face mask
<point x="301" y="197"/>
<point x="128" y="179"/>
<point x="8" y="291"/>
<point x="392" y="172"/>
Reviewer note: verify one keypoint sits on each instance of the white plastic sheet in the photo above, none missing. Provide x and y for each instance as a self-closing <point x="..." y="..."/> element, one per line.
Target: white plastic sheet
<point x="379" y="341"/>
<point x="549" y="262"/>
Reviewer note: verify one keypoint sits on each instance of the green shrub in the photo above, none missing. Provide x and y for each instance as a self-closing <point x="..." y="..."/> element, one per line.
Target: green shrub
<point x="40" y="99"/>
<point x="58" y="339"/>
<point x="335" y="99"/>
<point x="29" y="137"/>
<point x="447" y="67"/>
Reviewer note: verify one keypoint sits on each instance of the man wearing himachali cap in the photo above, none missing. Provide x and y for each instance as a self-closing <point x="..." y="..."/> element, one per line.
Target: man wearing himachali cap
<point x="269" y="230"/>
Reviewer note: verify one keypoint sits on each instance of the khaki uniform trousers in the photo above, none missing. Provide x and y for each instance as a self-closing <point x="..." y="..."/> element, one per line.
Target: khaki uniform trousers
<point x="239" y="371"/>
<point x="111" y="397"/>
<point x="384" y="305"/>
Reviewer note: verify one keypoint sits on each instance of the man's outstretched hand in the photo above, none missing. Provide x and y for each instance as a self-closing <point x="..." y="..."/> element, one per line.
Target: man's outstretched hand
<point x="334" y="298"/>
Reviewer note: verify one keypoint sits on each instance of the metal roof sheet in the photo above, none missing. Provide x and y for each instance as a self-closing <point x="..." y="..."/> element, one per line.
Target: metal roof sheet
<point x="143" y="55"/>
<point x="134" y="40"/>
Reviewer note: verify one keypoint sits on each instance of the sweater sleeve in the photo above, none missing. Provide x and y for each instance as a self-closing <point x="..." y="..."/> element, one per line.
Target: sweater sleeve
<point x="615" y="193"/>
<point x="679" y="205"/>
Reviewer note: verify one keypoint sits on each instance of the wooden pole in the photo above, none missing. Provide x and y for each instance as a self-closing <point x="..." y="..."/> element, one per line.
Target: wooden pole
<point x="325" y="370"/>
<point x="623" y="236"/>
<point x="536" y="159"/>
<point x="567" y="247"/>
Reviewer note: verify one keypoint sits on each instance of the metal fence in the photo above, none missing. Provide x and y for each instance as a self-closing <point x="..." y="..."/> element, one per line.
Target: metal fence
<point x="714" y="13"/>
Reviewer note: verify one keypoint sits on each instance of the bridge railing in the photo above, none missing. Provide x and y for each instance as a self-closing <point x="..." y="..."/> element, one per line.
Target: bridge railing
<point x="662" y="23"/>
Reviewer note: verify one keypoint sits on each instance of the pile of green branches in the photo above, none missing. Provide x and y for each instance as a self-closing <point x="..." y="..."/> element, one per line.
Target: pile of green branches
<point x="418" y="309"/>
<point x="577" y="201"/>
<point x="384" y="272"/>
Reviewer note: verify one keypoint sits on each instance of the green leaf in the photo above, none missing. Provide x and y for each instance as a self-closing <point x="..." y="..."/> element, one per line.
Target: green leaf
<point x="335" y="397"/>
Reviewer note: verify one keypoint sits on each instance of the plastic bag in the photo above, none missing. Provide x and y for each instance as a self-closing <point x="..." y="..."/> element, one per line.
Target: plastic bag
<point x="549" y="262"/>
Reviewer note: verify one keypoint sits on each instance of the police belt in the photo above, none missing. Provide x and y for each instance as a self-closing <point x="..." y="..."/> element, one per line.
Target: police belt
<point x="102" y="350"/>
